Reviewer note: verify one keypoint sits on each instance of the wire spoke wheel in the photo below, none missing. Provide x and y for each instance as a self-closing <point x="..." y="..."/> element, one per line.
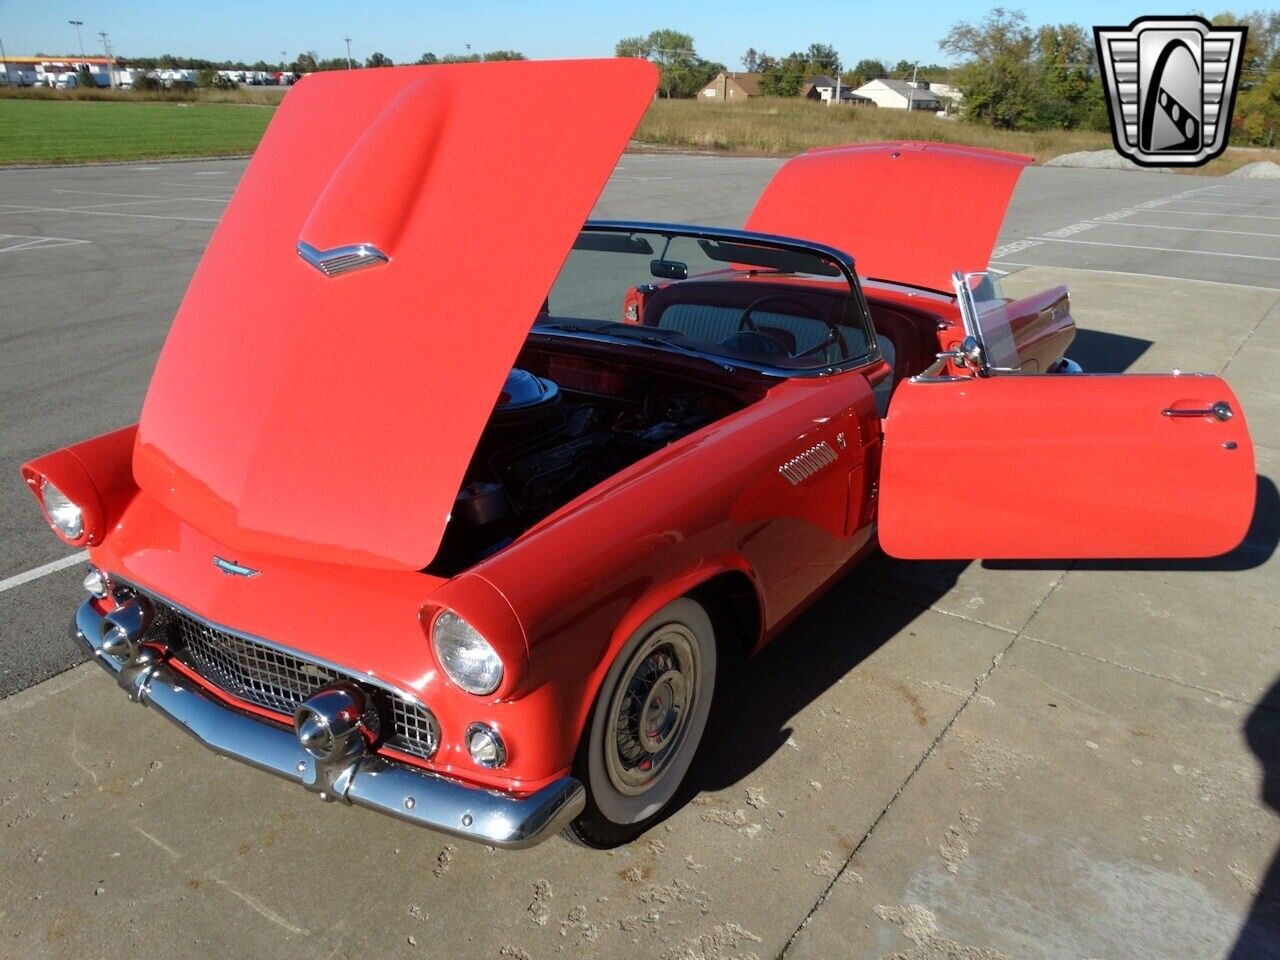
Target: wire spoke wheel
<point x="647" y="723"/>
<point x="650" y="709"/>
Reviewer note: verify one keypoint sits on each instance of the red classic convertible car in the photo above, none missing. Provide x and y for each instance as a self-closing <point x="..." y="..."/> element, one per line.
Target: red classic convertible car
<point x="444" y="504"/>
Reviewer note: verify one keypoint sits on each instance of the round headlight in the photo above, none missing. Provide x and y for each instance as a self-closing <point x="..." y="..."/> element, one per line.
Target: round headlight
<point x="63" y="514"/>
<point x="465" y="655"/>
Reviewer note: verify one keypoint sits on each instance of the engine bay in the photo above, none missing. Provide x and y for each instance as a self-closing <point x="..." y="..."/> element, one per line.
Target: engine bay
<point x="563" y="424"/>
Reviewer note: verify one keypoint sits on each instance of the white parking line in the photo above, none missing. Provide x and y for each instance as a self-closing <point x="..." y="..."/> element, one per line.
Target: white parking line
<point x="18" y="579"/>
<point x="15" y="208"/>
<point x="1135" y="246"/>
<point x="1219" y="203"/>
<point x="1165" y="226"/>
<point x="132" y="203"/>
<point x="1130" y="273"/>
<point x="33" y="243"/>
<point x="194" y="186"/>
<point x="1212" y="213"/>
<point x="138" y="196"/>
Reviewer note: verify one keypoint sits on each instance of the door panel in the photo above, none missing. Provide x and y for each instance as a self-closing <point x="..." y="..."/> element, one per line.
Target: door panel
<point x="1061" y="467"/>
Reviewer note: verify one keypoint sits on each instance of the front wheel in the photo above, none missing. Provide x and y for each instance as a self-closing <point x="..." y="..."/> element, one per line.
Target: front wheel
<point x="646" y="725"/>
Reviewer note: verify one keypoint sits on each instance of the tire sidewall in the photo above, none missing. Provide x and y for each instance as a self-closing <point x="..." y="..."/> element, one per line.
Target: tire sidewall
<point x="610" y="804"/>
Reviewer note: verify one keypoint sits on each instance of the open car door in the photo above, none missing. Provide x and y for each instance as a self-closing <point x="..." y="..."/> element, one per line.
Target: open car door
<point x="998" y="464"/>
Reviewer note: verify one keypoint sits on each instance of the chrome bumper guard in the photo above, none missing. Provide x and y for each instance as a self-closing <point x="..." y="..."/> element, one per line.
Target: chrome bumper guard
<point x="402" y="791"/>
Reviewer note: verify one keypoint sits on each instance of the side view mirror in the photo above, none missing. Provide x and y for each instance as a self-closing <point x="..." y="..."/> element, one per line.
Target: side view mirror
<point x="971" y="354"/>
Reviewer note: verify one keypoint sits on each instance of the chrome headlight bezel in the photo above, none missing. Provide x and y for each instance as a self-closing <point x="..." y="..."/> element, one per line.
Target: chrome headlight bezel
<point x="465" y="656"/>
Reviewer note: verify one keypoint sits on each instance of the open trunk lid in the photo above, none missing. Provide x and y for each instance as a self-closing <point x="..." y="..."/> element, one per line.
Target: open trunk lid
<point x="349" y="328"/>
<point x="908" y="212"/>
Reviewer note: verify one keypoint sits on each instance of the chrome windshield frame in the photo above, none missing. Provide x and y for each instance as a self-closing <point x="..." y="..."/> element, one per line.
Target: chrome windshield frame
<point x="843" y="261"/>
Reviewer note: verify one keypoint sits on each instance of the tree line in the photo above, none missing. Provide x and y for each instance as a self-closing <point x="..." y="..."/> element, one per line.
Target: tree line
<point x="1009" y="74"/>
<point x="1016" y="77"/>
<point x="684" y="72"/>
<point x="307" y="62"/>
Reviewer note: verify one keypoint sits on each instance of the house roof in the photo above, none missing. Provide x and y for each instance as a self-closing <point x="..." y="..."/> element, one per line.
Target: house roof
<point x="906" y="89"/>
<point x="749" y="83"/>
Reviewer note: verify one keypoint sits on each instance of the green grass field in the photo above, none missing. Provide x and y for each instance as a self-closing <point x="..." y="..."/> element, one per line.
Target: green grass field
<point x="70" y="126"/>
<point x="79" y="131"/>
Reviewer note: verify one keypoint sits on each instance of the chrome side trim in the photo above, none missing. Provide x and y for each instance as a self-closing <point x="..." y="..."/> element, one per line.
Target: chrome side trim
<point x="344" y="259"/>
<point x="398" y="790"/>
<point x="800" y="468"/>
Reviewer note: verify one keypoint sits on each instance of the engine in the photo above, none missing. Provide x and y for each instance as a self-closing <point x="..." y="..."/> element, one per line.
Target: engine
<point x="547" y="442"/>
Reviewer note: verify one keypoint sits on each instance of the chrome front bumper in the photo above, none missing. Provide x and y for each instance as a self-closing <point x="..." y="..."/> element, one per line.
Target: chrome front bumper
<point x="402" y="791"/>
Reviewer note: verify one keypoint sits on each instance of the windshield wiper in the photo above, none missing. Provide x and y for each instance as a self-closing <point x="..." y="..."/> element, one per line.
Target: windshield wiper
<point x="653" y="341"/>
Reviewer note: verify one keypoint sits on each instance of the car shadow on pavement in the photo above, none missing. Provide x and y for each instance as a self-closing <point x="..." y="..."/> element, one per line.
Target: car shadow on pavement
<point x="1100" y="352"/>
<point x="1257" y="547"/>
<point x="1260" y="936"/>
<point x="843" y="628"/>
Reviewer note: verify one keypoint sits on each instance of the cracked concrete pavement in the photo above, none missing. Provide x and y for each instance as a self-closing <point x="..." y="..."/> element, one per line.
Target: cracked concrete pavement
<point x="938" y="760"/>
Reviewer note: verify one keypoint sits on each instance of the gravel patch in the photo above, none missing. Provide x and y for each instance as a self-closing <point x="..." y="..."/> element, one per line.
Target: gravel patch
<point x="1258" y="170"/>
<point x="1094" y="160"/>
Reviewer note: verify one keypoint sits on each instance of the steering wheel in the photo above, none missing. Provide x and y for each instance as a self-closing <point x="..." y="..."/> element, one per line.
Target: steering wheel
<point x="746" y="323"/>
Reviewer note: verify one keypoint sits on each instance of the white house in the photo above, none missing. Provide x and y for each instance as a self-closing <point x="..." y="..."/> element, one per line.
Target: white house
<point x="900" y="95"/>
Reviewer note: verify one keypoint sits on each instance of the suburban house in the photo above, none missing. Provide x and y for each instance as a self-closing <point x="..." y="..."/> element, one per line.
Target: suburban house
<point x="731" y="88"/>
<point x="946" y="91"/>
<point x="900" y="95"/>
<point x="825" y="90"/>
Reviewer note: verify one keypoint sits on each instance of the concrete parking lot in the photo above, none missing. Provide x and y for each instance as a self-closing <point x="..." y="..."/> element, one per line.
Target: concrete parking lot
<point x="937" y="760"/>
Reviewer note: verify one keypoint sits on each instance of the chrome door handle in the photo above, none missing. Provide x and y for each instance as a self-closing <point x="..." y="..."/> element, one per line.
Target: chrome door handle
<point x="1222" y="410"/>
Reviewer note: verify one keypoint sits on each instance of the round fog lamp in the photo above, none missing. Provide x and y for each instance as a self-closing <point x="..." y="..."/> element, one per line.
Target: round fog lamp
<point x="486" y="746"/>
<point x="95" y="583"/>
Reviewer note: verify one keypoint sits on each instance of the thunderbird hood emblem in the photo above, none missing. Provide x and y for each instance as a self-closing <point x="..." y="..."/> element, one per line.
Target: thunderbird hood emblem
<point x="343" y="259"/>
<point x="233" y="569"/>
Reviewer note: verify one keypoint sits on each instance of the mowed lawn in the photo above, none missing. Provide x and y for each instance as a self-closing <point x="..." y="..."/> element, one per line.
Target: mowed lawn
<point x="75" y="131"/>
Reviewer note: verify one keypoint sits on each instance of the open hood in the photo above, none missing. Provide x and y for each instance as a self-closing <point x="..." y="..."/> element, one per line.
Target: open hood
<point x="349" y="329"/>
<point x="909" y="212"/>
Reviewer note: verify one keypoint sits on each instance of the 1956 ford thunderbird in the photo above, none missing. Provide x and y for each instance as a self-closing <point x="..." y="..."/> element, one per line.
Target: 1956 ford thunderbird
<point x="450" y="503"/>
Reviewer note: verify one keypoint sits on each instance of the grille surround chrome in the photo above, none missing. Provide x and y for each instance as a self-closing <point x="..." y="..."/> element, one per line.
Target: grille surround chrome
<point x="277" y="679"/>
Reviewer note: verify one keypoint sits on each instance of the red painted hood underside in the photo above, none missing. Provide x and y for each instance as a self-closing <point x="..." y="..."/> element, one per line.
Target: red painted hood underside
<point x="909" y="212"/>
<point x="332" y="417"/>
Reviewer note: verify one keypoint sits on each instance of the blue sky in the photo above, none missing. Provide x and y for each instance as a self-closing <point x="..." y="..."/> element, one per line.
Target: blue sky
<point x="260" y="29"/>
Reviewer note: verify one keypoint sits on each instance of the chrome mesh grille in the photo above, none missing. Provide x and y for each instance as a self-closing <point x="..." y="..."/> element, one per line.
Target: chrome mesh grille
<point x="248" y="670"/>
<point x="416" y="732"/>
<point x="279" y="681"/>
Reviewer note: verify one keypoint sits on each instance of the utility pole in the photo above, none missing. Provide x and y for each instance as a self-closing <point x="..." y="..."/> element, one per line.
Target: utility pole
<point x="911" y="93"/>
<point x="8" y="81"/>
<point x="348" y="39"/>
<point x="111" y="64"/>
<point x="79" y="39"/>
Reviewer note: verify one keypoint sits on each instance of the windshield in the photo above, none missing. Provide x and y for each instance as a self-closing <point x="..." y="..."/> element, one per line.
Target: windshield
<point x="738" y="300"/>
